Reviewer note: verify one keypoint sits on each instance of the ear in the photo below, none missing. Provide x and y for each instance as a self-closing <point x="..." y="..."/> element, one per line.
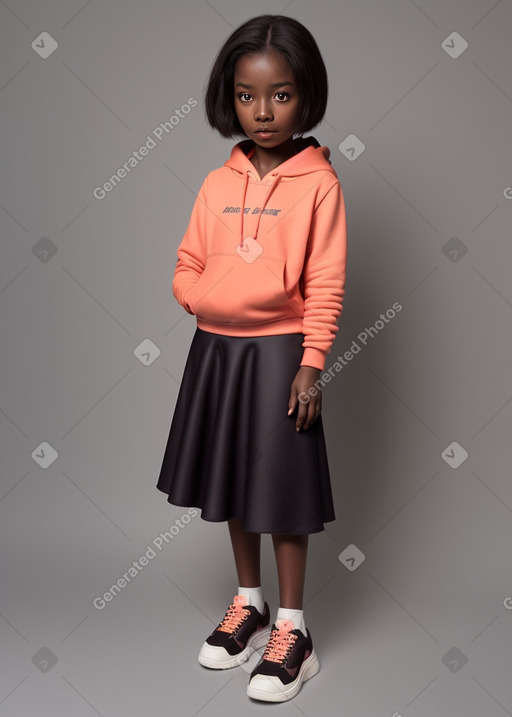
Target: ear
<point x="326" y="152"/>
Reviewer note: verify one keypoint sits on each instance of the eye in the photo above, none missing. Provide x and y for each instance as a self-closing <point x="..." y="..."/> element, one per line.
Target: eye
<point x="244" y="94"/>
<point x="282" y="96"/>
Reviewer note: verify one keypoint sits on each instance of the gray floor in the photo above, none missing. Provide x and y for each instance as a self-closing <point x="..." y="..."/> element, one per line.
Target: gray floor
<point x="408" y="593"/>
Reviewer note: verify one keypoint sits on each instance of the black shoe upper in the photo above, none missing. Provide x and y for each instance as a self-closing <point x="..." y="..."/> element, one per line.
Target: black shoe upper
<point x="288" y="668"/>
<point x="235" y="642"/>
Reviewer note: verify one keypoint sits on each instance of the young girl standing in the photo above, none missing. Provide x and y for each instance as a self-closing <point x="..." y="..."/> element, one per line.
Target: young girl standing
<point x="262" y="267"/>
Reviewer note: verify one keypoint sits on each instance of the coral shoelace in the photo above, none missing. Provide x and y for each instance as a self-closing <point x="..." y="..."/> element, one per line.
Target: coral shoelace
<point x="234" y="615"/>
<point x="280" y="641"/>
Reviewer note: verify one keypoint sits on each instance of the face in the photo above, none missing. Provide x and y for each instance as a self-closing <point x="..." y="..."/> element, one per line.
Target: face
<point x="266" y="97"/>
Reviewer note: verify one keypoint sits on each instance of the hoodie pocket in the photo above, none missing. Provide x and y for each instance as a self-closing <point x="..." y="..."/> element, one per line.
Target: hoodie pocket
<point x="233" y="291"/>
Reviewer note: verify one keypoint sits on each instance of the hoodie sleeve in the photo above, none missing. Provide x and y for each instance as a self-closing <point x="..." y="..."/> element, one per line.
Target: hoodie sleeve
<point x="192" y="250"/>
<point x="324" y="277"/>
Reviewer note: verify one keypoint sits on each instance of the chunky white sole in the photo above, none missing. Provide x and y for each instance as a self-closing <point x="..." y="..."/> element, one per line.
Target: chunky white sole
<point x="217" y="658"/>
<point x="277" y="692"/>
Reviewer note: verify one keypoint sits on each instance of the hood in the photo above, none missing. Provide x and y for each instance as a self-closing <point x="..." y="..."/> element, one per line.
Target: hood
<point x="310" y="157"/>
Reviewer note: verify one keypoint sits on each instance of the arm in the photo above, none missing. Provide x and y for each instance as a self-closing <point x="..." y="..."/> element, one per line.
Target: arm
<point x="324" y="289"/>
<point x="324" y="277"/>
<point x="192" y="251"/>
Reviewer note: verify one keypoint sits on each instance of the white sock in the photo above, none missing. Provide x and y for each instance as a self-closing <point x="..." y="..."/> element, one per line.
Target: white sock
<point x="291" y="614"/>
<point x="254" y="596"/>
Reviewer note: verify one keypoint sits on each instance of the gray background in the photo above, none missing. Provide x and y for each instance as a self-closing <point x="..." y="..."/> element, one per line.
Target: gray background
<point x="83" y="282"/>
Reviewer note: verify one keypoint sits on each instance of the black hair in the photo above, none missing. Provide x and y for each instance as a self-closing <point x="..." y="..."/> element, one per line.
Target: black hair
<point x="261" y="34"/>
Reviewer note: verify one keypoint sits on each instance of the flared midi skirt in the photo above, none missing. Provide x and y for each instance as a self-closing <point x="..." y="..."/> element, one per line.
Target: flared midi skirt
<point x="232" y="450"/>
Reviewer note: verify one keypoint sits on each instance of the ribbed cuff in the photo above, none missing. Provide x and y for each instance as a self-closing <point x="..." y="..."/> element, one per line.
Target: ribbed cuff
<point x="314" y="357"/>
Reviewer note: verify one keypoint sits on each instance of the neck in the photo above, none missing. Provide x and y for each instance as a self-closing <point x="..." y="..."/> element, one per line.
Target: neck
<point x="265" y="160"/>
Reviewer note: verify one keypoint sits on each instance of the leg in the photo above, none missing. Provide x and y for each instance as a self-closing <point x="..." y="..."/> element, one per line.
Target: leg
<point x="246" y="550"/>
<point x="291" y="553"/>
<point x="276" y="664"/>
<point x="239" y="634"/>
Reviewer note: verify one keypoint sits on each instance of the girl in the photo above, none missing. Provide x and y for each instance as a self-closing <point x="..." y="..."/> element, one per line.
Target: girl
<point x="262" y="267"/>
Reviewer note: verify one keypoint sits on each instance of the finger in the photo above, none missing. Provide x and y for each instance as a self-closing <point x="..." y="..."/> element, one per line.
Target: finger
<point x="302" y="415"/>
<point x="311" y="414"/>
<point x="292" y="400"/>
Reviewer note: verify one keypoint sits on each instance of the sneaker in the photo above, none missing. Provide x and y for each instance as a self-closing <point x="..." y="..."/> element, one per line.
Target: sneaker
<point x="242" y="630"/>
<point x="287" y="661"/>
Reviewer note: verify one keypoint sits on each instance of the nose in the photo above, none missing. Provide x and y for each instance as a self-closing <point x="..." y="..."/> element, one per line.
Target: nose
<point x="262" y="111"/>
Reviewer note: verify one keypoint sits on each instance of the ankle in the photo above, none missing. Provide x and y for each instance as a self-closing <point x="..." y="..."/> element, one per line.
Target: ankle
<point x="294" y="614"/>
<point x="254" y="596"/>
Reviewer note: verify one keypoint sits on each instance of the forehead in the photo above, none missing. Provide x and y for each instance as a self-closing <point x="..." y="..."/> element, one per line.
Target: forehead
<point x="263" y="66"/>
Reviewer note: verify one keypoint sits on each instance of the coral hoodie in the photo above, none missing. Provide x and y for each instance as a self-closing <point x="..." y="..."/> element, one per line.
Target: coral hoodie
<point x="267" y="256"/>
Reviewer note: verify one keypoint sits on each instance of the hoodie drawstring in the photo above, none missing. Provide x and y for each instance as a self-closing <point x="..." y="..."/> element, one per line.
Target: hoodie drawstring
<point x="275" y="182"/>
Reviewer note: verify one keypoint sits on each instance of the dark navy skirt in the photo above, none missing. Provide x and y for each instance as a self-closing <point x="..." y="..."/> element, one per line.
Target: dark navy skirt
<point x="233" y="451"/>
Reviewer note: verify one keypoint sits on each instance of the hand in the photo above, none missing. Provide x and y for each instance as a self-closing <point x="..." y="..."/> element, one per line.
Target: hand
<point x="308" y="412"/>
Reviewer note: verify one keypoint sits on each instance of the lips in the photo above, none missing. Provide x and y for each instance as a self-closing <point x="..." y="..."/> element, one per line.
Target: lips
<point x="264" y="130"/>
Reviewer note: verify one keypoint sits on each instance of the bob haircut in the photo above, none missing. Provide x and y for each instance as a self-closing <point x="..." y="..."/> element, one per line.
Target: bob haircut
<point x="262" y="34"/>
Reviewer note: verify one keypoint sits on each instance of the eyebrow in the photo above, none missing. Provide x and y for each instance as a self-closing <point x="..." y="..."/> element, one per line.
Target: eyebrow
<point x="276" y="84"/>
